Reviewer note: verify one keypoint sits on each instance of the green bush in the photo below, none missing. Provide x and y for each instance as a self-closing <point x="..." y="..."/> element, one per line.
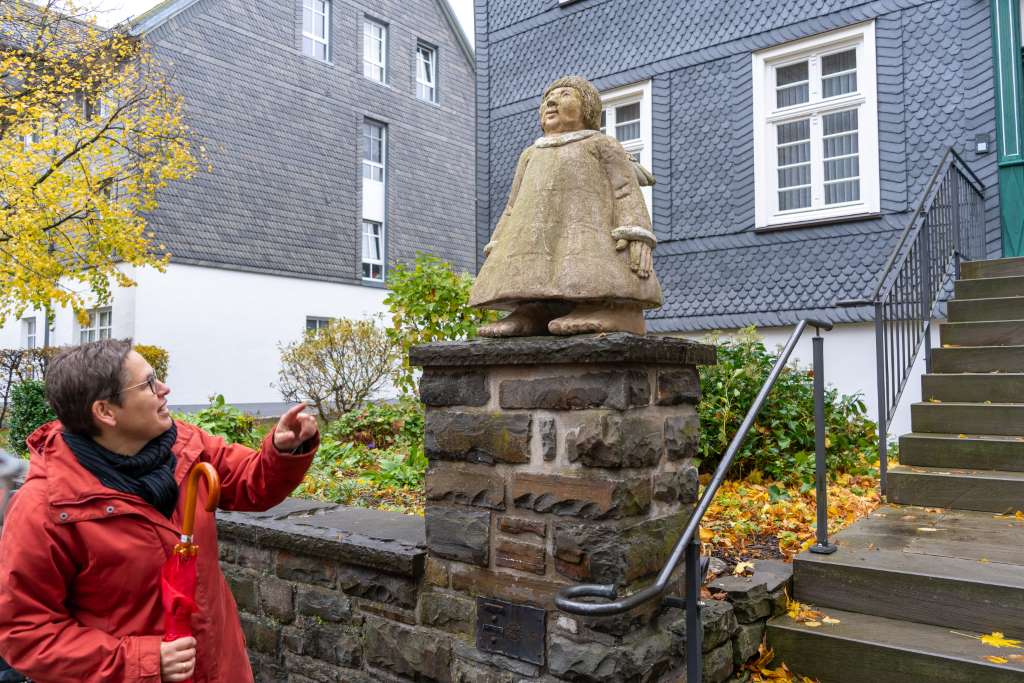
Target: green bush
<point x="381" y="425"/>
<point x="157" y="358"/>
<point x="429" y="302"/>
<point x="226" y="421"/>
<point x="29" y="411"/>
<point x="781" y="442"/>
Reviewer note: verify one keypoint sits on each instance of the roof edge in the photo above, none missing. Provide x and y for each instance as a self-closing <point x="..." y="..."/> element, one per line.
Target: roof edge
<point x="460" y="35"/>
<point x="157" y="15"/>
<point x="707" y="323"/>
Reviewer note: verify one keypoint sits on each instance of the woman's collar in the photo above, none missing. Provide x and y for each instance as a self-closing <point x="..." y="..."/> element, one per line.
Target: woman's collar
<point x="564" y="138"/>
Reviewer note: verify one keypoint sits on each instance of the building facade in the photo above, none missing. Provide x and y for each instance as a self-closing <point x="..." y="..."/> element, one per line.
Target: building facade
<point x="791" y="141"/>
<point x="339" y="136"/>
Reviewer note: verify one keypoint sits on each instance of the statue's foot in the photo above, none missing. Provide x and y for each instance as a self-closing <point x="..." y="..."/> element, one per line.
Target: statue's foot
<point x="592" y="318"/>
<point x="527" y="320"/>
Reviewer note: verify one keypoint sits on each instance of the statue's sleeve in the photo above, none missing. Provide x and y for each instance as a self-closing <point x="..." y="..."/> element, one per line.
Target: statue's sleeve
<point x="517" y="181"/>
<point x="630" y="220"/>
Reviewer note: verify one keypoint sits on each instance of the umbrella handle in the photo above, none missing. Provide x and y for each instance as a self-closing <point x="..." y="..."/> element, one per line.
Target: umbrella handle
<point x="192" y="489"/>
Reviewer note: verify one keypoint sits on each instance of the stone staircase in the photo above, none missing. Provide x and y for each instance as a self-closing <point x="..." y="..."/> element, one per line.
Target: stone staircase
<point x="914" y="585"/>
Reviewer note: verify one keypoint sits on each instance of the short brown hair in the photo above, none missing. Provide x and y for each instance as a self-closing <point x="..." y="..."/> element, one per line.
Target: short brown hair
<point x="589" y="97"/>
<point x="80" y="375"/>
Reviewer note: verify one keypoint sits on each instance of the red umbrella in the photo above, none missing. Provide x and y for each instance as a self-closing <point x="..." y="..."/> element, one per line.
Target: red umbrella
<point x="178" y="576"/>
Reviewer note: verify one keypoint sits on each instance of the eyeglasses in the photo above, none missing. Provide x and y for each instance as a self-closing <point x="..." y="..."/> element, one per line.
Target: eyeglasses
<point x="150" y="382"/>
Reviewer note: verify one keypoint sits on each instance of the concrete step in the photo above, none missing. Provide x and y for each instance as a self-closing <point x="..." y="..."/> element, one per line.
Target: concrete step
<point x="999" y="333"/>
<point x="978" y="359"/>
<point x="974" y="388"/>
<point x="996" y="491"/>
<point x="1004" y="419"/>
<point x="1000" y="308"/>
<point x="950" y="568"/>
<point x="1000" y="267"/>
<point x="987" y="288"/>
<point x="976" y="452"/>
<point x="863" y="648"/>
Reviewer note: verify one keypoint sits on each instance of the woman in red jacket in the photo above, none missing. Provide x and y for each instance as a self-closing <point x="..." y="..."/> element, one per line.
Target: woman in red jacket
<point x="88" y="532"/>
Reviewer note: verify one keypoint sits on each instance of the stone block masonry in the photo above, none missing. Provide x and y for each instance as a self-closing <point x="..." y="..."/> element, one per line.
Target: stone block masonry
<point x="552" y="462"/>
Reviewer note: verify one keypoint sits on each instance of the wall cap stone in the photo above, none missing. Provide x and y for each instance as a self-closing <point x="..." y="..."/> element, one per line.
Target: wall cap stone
<point x="386" y="541"/>
<point x="617" y="347"/>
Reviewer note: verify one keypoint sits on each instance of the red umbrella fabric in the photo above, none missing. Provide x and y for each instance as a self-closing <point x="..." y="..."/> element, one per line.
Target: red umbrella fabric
<point x="178" y="575"/>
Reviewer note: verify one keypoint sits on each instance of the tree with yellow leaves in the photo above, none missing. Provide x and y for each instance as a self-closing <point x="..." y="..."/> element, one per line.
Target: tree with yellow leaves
<point x="90" y="131"/>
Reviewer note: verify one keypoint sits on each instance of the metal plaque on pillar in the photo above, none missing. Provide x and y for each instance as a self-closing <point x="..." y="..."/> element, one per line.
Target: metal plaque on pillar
<point x="516" y="631"/>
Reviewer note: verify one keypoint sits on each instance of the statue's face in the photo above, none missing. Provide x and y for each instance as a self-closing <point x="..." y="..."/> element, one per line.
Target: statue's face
<point x="561" y="111"/>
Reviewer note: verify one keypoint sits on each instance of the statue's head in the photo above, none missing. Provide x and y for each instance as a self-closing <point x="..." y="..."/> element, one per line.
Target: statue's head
<point x="570" y="103"/>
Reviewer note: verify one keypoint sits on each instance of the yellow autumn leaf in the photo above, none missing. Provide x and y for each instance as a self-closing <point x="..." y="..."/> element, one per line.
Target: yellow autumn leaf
<point x="1019" y="515"/>
<point x="934" y="400"/>
<point x="812" y="624"/>
<point x="830" y="620"/>
<point x="996" y="639"/>
<point x="743" y="568"/>
<point x="996" y="660"/>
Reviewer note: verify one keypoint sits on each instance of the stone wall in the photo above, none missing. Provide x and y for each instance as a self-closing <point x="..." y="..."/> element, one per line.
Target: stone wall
<point x="345" y="595"/>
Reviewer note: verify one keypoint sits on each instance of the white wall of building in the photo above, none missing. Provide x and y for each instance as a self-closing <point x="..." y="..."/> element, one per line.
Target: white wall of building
<point x="849" y="364"/>
<point x="221" y="328"/>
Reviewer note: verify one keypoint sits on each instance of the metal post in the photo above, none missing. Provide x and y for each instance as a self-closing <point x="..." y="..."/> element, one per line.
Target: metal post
<point x="822" y="547"/>
<point x="883" y="396"/>
<point x="954" y="177"/>
<point x="694" y="623"/>
<point x="926" y="293"/>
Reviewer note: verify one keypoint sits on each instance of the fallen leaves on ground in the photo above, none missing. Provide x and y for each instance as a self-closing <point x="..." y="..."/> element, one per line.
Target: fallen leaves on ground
<point x="760" y="671"/>
<point x="997" y="639"/>
<point x="770" y="519"/>
<point x="996" y="660"/>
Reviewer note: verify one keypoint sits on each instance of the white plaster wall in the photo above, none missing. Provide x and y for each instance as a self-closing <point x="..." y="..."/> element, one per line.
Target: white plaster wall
<point x="221" y="328"/>
<point x="849" y="364"/>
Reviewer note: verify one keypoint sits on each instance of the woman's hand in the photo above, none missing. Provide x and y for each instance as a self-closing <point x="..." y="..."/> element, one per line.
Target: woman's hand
<point x="294" y="429"/>
<point x="177" y="659"/>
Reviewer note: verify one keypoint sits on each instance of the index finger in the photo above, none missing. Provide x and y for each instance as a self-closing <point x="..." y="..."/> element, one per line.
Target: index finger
<point x="293" y="412"/>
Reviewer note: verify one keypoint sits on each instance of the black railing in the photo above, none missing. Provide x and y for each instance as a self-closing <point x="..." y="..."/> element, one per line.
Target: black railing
<point x="689" y="543"/>
<point x="947" y="226"/>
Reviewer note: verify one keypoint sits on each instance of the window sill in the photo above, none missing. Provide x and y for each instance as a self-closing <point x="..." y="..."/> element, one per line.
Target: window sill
<point x="376" y="284"/>
<point x="383" y="84"/>
<point x="815" y="222"/>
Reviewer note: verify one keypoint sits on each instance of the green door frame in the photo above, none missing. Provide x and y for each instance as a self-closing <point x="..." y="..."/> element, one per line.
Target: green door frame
<point x="1009" y="90"/>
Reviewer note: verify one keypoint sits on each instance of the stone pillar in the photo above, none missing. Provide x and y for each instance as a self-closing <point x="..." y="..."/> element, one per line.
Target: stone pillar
<point x="556" y="461"/>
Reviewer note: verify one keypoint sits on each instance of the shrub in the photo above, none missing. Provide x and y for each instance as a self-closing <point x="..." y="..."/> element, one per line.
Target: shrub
<point x="381" y="425"/>
<point x="226" y="421"/>
<point x="429" y="303"/>
<point x="781" y="441"/>
<point x="157" y="358"/>
<point x="339" y="366"/>
<point x="29" y="411"/>
<point x="18" y="365"/>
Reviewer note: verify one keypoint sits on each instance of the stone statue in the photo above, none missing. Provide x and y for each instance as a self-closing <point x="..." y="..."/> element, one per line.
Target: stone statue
<point x="571" y="253"/>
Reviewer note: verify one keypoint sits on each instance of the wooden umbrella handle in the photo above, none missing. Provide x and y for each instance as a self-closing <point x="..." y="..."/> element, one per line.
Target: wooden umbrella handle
<point x="192" y="489"/>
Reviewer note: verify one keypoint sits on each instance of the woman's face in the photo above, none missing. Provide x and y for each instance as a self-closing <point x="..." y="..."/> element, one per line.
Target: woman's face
<point x="561" y="111"/>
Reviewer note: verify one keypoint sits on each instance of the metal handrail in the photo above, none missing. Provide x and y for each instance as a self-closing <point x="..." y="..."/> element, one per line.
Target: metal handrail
<point x="566" y="599"/>
<point x="926" y="256"/>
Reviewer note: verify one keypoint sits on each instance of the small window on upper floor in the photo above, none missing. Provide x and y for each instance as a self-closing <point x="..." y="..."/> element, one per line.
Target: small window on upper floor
<point x="375" y="50"/>
<point x="99" y="326"/>
<point x="816" y="128"/>
<point x="373" y="251"/>
<point x="626" y="116"/>
<point x="316" y="28"/>
<point x="426" y="73"/>
<point x="374" y="142"/>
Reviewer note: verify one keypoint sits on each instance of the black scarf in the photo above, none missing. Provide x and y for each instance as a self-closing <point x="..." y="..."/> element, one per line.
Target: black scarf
<point x="149" y="474"/>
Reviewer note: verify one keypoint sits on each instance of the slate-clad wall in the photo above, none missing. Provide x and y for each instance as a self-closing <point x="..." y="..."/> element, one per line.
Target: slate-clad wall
<point x="934" y="75"/>
<point x="283" y="134"/>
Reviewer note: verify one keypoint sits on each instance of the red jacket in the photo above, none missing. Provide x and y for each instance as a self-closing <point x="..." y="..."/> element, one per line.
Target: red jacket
<point x="80" y="564"/>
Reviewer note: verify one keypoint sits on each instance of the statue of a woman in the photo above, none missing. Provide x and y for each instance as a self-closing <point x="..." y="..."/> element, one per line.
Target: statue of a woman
<point x="571" y="254"/>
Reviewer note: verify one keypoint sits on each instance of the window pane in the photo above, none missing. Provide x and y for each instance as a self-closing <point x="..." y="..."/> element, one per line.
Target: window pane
<point x="794" y="154"/>
<point x="307" y="47"/>
<point x="791" y="85"/>
<point x="840" y="61"/>
<point x="841" y="157"/>
<point x="627" y="122"/>
<point x="307" y="20"/>
<point x="846" y="191"/>
<point x="604" y="119"/>
<point x="627" y="112"/>
<point x="846" y="167"/>
<point x="795" y="176"/>
<point x="840" y="122"/>
<point x="794" y="199"/>
<point x="318" y="26"/>
<point x="839" y="85"/>
<point x="794" y="73"/>
<point x="794" y="132"/>
<point x="321" y="51"/>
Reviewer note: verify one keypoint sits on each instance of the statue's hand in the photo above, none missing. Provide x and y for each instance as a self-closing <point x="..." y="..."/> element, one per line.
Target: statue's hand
<point x="487" y="249"/>
<point x="641" y="258"/>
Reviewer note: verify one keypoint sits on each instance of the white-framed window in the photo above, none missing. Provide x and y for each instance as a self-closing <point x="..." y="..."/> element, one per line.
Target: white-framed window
<point x="28" y="333"/>
<point x="99" y="326"/>
<point x="816" y="128"/>
<point x="626" y="116"/>
<point x="316" y="28"/>
<point x="373" y="250"/>
<point x="375" y="50"/>
<point x="374" y="143"/>
<point x="426" y="73"/>
<point x="315" y="324"/>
